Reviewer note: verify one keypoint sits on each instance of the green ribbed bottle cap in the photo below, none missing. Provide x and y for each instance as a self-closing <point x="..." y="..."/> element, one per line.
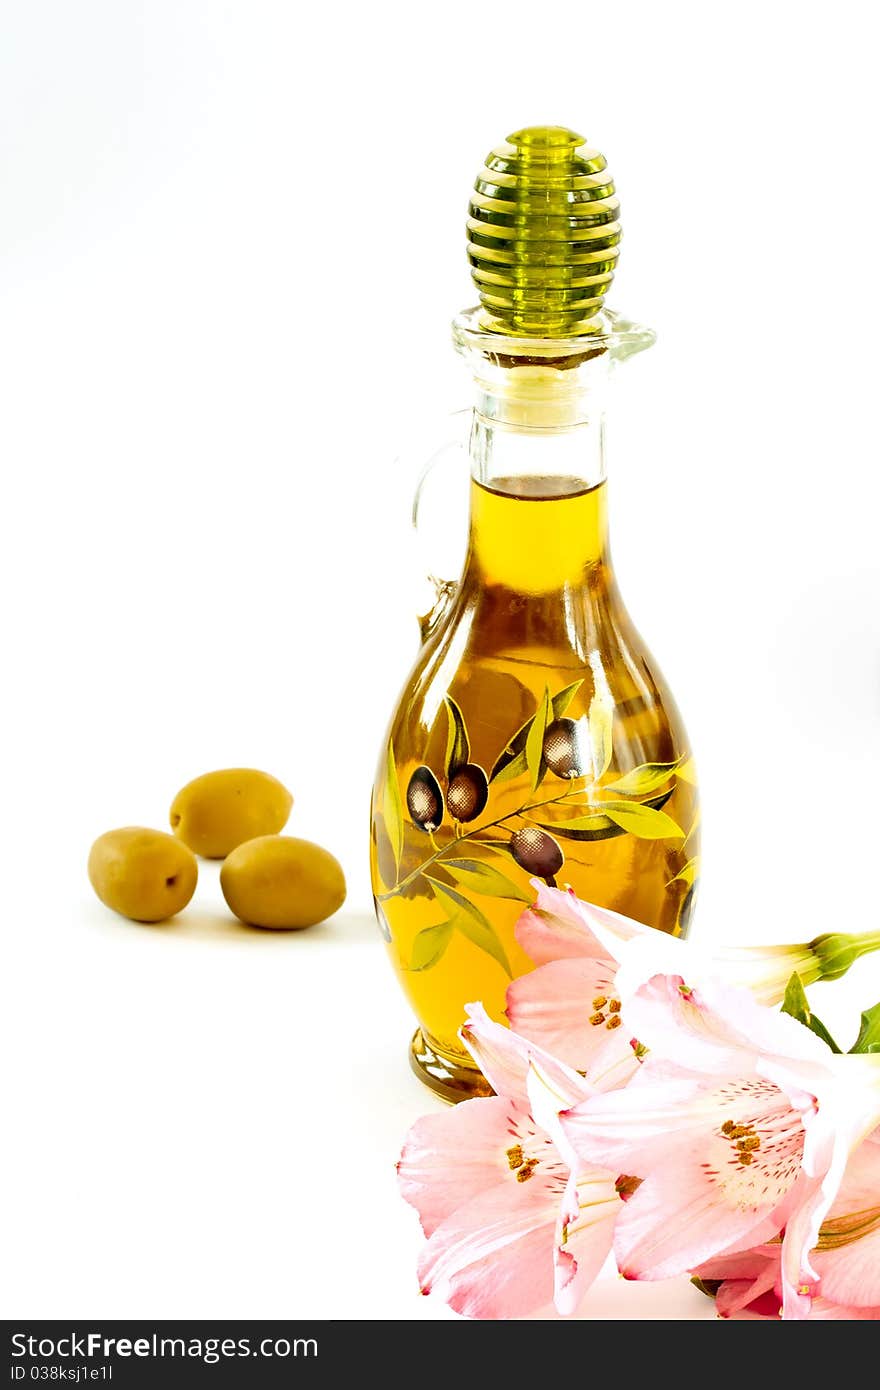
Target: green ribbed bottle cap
<point x="543" y="234"/>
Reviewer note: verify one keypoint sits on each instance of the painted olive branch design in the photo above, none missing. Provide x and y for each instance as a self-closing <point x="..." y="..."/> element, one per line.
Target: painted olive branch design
<point x="467" y="835"/>
<point x="549" y="743"/>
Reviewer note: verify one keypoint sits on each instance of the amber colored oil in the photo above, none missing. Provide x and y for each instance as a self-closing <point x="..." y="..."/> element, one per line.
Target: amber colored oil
<point x="537" y="609"/>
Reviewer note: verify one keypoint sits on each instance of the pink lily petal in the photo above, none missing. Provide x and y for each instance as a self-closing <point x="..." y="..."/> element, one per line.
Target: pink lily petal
<point x="824" y="1310"/>
<point x="849" y="1272"/>
<point x="590" y="1203"/>
<point x="735" y="1295"/>
<point x="491" y="1257"/>
<point x="716" y="1028"/>
<point x="555" y="929"/>
<point x="702" y="1191"/>
<point x="450" y="1157"/>
<point x="504" y="1059"/>
<point x="510" y="1223"/>
<point x="745" y="1278"/>
<point x="751" y="1289"/>
<point x="584" y="1236"/>
<point x="561" y="925"/>
<point x="845" y="1114"/>
<point x="564" y="1006"/>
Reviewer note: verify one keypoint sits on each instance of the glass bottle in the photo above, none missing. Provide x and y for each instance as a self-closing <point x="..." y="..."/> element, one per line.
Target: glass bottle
<point x="535" y="738"/>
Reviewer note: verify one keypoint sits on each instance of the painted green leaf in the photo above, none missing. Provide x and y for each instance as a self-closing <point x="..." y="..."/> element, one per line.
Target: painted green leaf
<point x="561" y="702"/>
<point x="469" y="920"/>
<point x="482" y="935"/>
<point x="649" y="777"/>
<point x="688" y="772"/>
<point x="796" y="1005"/>
<point x="492" y="846"/>
<point x="512" y="762"/>
<point x="688" y="873"/>
<point x="535" y="740"/>
<point x="869" y="1033"/>
<point x="583" y="828"/>
<point x="484" y="879"/>
<point x="601" y="722"/>
<point x="458" y="745"/>
<point x="429" y="945"/>
<point x="507" y="771"/>
<point x="385" y="861"/>
<point x="393" y="808"/>
<point x="645" y="822"/>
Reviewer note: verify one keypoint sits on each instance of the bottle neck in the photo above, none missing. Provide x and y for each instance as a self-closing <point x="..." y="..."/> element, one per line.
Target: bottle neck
<point x="502" y="450"/>
<point x="539" y="520"/>
<point x="538" y="506"/>
<point x="538" y="535"/>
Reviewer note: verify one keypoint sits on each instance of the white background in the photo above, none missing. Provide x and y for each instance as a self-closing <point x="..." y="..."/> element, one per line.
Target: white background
<point x="232" y="239"/>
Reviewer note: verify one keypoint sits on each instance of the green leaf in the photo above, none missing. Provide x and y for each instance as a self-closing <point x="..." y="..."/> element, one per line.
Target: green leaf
<point x="469" y="920"/>
<point x="458" y="745"/>
<point x="794" y="1001"/>
<point x="535" y="740"/>
<point x="796" y="1005"/>
<point x="645" y="822"/>
<point x="640" y="780"/>
<point x="512" y="762"/>
<point x="869" y="1033"/>
<point x="601" y="722"/>
<point x="429" y="945"/>
<point x="392" y="808"/>
<point x="707" y="1286"/>
<point x="583" y="828"/>
<point x="482" y="878"/>
<point x="688" y="873"/>
<point x="818" y="1027"/>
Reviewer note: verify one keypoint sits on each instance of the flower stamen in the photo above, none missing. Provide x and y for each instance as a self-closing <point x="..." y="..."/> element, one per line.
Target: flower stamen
<point x="745" y="1141"/>
<point x="515" y="1157"/>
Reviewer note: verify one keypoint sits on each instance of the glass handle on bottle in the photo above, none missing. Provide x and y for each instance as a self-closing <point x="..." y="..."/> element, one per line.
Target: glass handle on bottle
<point x="440" y="521"/>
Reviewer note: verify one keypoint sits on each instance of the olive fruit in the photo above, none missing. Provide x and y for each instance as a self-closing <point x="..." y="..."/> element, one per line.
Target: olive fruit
<point x="537" y="852"/>
<point x="143" y="874"/>
<point x="219" y="810"/>
<point x="424" y="799"/>
<point x="564" y="750"/>
<point x="467" y="793"/>
<point x="278" y="881"/>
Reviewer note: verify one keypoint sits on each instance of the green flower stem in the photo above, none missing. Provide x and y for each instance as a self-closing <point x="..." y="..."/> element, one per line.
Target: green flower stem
<point x="470" y="834"/>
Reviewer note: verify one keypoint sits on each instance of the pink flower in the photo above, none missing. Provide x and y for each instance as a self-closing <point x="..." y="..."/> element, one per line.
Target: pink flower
<point x="514" y="1220"/>
<point x="570" y="1004"/>
<point x="590" y="960"/>
<point x="740" y="1123"/>
<point x="846" y="1258"/>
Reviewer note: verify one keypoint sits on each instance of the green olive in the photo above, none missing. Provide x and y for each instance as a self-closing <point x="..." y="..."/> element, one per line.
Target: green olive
<point x="143" y="874"/>
<point x="220" y="810"/>
<point x="277" y="881"/>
